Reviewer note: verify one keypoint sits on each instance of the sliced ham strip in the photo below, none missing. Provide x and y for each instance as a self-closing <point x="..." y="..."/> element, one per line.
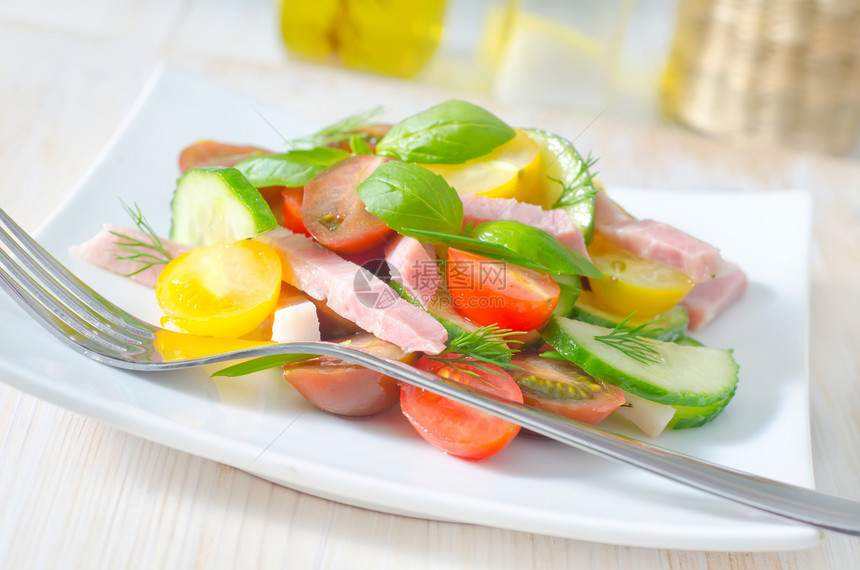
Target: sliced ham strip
<point x="413" y="265"/>
<point x="555" y="222"/>
<point x="355" y="293"/>
<point x="102" y="250"/>
<point x="708" y="300"/>
<point x="657" y="242"/>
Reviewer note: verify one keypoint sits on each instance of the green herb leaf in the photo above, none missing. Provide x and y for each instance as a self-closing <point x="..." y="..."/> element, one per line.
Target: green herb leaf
<point x="569" y="177"/>
<point x="408" y="197"/>
<point x="342" y="130"/>
<point x="536" y="244"/>
<point x="292" y="169"/>
<point x="637" y="343"/>
<point x="578" y="192"/>
<point x="580" y="187"/>
<point x="261" y="363"/>
<point x="476" y="246"/>
<point x="487" y="345"/>
<point x="359" y="146"/>
<point x="149" y="251"/>
<point x="517" y="254"/>
<point x="418" y="203"/>
<point x="448" y="133"/>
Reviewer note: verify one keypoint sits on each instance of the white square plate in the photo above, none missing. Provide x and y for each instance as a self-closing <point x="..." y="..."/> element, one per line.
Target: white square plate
<point x="261" y="425"/>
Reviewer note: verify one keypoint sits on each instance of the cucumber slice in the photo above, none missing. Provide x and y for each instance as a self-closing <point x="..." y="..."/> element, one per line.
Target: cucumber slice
<point x="561" y="162"/>
<point x="685" y="340"/>
<point x="671" y="326"/>
<point x="694" y="416"/>
<point x="571" y="288"/>
<point x="684" y="375"/>
<point x="217" y="205"/>
<point x="441" y="309"/>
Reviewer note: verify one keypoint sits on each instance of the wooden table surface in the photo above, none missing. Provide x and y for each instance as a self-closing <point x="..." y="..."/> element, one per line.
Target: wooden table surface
<point x="76" y="493"/>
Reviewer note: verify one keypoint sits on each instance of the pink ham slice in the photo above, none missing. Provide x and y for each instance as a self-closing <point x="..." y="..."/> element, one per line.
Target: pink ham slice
<point x="555" y="222"/>
<point x="354" y="293"/>
<point x="708" y="300"/>
<point x="657" y="242"/>
<point x="103" y="251"/>
<point x="413" y="265"/>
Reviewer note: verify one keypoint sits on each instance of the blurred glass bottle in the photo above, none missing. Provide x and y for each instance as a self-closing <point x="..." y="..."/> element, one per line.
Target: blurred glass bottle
<point x="394" y="37"/>
<point x="563" y="54"/>
<point x="770" y="72"/>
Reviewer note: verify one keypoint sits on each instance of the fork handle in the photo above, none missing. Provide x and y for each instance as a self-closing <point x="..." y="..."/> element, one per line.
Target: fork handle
<point x="789" y="501"/>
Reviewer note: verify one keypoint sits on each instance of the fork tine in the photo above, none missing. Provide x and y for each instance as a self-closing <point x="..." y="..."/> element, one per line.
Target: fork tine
<point x="53" y="315"/>
<point x="67" y="307"/>
<point x="74" y="293"/>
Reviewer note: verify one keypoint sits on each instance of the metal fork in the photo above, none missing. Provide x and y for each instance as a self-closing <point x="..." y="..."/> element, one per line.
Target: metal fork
<point x="90" y="324"/>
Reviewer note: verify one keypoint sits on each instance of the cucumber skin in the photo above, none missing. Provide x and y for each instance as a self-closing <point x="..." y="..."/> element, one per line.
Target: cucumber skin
<point x="687" y="417"/>
<point x="570" y="289"/>
<point x="582" y="212"/>
<point x="555" y="335"/>
<point x="244" y="191"/>
<point x="685" y="340"/>
<point x="677" y="316"/>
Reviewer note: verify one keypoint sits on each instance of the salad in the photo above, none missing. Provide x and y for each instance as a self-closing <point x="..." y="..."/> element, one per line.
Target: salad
<point x="450" y="240"/>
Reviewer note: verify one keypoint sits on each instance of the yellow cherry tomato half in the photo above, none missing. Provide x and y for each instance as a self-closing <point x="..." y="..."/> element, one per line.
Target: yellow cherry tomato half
<point x="632" y="284"/>
<point x="506" y="172"/>
<point x="222" y="290"/>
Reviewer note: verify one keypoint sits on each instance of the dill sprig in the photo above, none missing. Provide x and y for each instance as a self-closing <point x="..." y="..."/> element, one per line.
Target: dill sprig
<point x="582" y="186"/>
<point x="486" y="345"/>
<point x="149" y="252"/>
<point x="341" y="130"/>
<point x="637" y="342"/>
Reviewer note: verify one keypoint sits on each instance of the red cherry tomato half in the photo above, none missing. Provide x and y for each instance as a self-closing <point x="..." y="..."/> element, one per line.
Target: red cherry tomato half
<point x="456" y="428"/>
<point x="334" y="214"/>
<point x="345" y="389"/>
<point x="564" y="388"/>
<point x="488" y="292"/>
<point x="292" y="210"/>
<point x="213" y="153"/>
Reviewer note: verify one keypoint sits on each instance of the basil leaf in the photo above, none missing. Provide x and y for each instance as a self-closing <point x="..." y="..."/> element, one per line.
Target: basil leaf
<point x="536" y="244"/>
<point x="448" y="133"/>
<point x="261" y="363"/>
<point x="292" y="169"/>
<point x="558" y="260"/>
<point x="339" y="131"/>
<point x="409" y="197"/>
<point x="359" y="145"/>
<point x="486" y="249"/>
<point x="417" y="203"/>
